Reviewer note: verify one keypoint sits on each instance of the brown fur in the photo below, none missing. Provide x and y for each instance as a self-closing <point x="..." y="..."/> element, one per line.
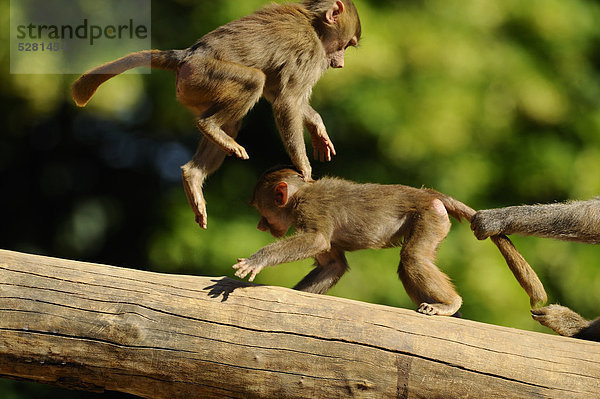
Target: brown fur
<point x="571" y="221"/>
<point x="84" y="88"/>
<point x="278" y="52"/>
<point x="332" y="216"/>
<point x="567" y="323"/>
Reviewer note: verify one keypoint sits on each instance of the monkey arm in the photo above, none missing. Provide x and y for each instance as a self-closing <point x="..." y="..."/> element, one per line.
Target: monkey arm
<point x="571" y="221"/>
<point x="297" y="247"/>
<point x="322" y="145"/>
<point x="287" y="108"/>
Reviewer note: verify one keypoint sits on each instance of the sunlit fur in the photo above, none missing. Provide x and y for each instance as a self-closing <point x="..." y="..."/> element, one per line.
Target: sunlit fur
<point x="570" y="221"/>
<point x="278" y="52"/>
<point x="332" y="215"/>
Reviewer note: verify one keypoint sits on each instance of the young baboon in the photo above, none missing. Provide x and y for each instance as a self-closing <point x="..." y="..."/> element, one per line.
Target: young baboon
<point x="332" y="216"/>
<point x="571" y="221"/>
<point x="278" y="52"/>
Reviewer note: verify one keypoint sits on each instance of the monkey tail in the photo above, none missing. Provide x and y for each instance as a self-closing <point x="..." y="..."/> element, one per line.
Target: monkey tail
<point x="457" y="209"/>
<point x="522" y="271"/>
<point x="524" y="274"/>
<point x="84" y="88"/>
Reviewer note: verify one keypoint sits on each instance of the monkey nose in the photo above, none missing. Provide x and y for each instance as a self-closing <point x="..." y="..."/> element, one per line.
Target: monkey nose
<point x="337" y="64"/>
<point x="262" y="227"/>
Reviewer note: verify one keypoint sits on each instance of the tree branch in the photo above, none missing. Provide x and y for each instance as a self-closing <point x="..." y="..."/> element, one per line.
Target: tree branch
<point x="95" y="327"/>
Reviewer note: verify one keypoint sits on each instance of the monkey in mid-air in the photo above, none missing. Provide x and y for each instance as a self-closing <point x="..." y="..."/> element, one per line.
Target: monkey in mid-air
<point x="278" y="52"/>
<point x="571" y="221"/>
<point x="332" y="216"/>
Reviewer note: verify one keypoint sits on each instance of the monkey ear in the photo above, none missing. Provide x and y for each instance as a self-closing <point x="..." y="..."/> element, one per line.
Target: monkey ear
<point x="333" y="14"/>
<point x="281" y="193"/>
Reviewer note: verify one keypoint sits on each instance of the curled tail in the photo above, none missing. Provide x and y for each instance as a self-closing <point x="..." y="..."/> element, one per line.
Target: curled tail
<point x="522" y="271"/>
<point x="84" y="88"/>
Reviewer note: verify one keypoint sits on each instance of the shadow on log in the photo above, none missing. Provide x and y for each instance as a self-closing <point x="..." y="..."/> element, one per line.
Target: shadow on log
<point x="95" y="327"/>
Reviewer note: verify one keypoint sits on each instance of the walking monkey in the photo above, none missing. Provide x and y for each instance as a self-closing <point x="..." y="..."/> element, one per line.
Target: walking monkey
<point x="332" y="216"/>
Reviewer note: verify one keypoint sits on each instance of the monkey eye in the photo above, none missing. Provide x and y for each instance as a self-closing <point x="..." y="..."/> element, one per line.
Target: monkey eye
<point x="352" y="43"/>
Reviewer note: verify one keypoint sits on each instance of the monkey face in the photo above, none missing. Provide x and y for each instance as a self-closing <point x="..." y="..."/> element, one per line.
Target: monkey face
<point x="275" y="224"/>
<point x="337" y="51"/>
<point x="336" y="59"/>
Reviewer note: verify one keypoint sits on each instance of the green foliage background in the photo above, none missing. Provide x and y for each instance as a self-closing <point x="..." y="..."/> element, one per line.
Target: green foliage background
<point x="495" y="103"/>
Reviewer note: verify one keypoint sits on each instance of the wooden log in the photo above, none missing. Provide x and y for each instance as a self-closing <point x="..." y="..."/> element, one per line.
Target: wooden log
<point x="95" y="327"/>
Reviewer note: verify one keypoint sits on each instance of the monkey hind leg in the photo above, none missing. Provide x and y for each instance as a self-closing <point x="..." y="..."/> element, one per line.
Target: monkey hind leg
<point x="429" y="287"/>
<point x="220" y="93"/>
<point x="330" y="267"/>
<point x="425" y="284"/>
<point x="206" y="160"/>
<point x="213" y="132"/>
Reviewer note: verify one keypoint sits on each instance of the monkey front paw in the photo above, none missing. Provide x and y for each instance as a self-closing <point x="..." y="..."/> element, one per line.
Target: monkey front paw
<point x="306" y="172"/>
<point x="245" y="267"/>
<point x="307" y="178"/>
<point x="323" y="147"/>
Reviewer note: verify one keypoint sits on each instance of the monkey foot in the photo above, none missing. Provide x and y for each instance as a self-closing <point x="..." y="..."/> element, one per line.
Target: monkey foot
<point x="442" y="309"/>
<point x="238" y="151"/>
<point x="201" y="219"/>
<point x="195" y="198"/>
<point x="200" y="215"/>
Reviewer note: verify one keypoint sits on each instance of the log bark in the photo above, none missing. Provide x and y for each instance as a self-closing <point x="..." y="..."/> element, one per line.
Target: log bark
<point x="95" y="327"/>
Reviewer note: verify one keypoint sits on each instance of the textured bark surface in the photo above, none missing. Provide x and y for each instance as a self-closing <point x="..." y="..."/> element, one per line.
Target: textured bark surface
<point x="96" y="327"/>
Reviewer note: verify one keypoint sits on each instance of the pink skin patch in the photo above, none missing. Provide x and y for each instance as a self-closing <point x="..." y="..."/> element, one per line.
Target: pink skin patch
<point x="439" y="207"/>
